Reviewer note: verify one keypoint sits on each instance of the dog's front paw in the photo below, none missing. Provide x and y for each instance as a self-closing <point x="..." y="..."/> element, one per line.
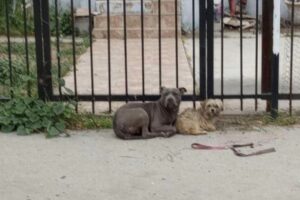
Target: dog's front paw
<point x="212" y="128"/>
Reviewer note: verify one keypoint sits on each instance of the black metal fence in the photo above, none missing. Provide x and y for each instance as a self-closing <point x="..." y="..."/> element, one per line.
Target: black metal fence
<point x="204" y="63"/>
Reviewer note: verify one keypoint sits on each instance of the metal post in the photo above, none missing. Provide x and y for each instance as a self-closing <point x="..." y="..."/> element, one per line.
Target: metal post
<point x="47" y="49"/>
<point x="43" y="48"/>
<point x="275" y="57"/>
<point x="267" y="43"/>
<point x="38" y="47"/>
<point x="202" y="53"/>
<point x="210" y="49"/>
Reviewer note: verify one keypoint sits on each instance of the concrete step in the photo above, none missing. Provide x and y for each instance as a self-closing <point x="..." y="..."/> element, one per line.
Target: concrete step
<point x="118" y="33"/>
<point x="134" y="6"/>
<point x="134" y="21"/>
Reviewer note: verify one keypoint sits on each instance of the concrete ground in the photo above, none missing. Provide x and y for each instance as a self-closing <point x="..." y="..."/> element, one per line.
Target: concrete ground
<point x="96" y="165"/>
<point x="232" y="63"/>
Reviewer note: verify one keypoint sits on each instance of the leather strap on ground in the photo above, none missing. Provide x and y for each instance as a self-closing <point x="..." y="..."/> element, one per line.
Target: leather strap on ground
<point x="234" y="149"/>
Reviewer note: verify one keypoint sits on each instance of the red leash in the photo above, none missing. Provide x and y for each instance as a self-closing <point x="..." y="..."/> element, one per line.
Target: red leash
<point x="234" y="149"/>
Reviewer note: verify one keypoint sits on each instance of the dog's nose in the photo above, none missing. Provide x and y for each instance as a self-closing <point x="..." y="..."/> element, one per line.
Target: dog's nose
<point x="212" y="110"/>
<point x="171" y="101"/>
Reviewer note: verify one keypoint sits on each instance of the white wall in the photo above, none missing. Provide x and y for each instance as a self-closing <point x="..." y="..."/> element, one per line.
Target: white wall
<point x="65" y="4"/>
<point x="187" y="16"/>
<point x="186" y="6"/>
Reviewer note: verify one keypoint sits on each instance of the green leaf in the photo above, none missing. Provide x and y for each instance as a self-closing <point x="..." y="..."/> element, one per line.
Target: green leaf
<point x="46" y="123"/>
<point x="4" y="120"/>
<point x="28" y="113"/>
<point x="36" y="126"/>
<point x="73" y="103"/>
<point x="26" y="78"/>
<point x="58" y="108"/>
<point x="52" y="132"/>
<point x="28" y="101"/>
<point x="60" y="126"/>
<point x="21" y="130"/>
<point x="61" y="82"/>
<point x="39" y="103"/>
<point x="68" y="91"/>
<point x="7" y="128"/>
<point x="20" y="108"/>
<point x="33" y="118"/>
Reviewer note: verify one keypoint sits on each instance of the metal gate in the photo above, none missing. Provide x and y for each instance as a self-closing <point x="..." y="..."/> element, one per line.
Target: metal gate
<point x="203" y="65"/>
<point x="43" y="42"/>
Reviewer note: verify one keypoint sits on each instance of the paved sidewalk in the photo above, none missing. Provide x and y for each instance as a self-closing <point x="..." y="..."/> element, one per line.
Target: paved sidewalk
<point x="96" y="165"/>
<point x="100" y="57"/>
<point x="232" y="63"/>
<point x="231" y="69"/>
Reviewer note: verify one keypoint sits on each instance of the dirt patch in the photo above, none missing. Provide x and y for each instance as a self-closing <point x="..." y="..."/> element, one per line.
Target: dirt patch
<point x="255" y="122"/>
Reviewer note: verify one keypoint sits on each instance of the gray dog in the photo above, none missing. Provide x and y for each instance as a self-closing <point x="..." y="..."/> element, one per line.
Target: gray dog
<point x="148" y="120"/>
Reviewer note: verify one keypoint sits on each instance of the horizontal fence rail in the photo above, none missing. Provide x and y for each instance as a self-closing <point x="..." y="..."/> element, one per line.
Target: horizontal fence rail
<point x="114" y="52"/>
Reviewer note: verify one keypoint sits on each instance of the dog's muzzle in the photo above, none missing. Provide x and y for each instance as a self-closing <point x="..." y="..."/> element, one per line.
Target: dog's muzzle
<point x="171" y="102"/>
<point x="213" y="112"/>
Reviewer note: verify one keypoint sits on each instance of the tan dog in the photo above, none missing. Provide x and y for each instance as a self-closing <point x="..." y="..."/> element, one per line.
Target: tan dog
<point x="199" y="121"/>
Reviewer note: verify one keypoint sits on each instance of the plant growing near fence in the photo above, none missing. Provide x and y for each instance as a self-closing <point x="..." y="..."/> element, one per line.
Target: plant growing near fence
<point x="20" y="77"/>
<point x="29" y="115"/>
<point x="16" y="20"/>
<point x="64" y="19"/>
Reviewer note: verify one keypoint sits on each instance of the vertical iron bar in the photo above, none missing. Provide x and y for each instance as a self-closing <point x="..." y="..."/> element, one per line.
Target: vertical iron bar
<point x="210" y="49"/>
<point x="91" y="56"/>
<point x="9" y="48"/>
<point x="275" y="81"/>
<point x="176" y="40"/>
<point x="202" y="48"/>
<point x="38" y="47"/>
<point x="125" y="49"/>
<point x="275" y="57"/>
<point x="74" y="55"/>
<point x="58" y="47"/>
<point x="222" y="50"/>
<point x="292" y="58"/>
<point x="256" y="54"/>
<point x="47" y="49"/>
<point x="159" y="42"/>
<point x="109" y="56"/>
<point x="143" y="50"/>
<point x="26" y="47"/>
<point x="194" y="49"/>
<point x="241" y="56"/>
<point x="267" y="43"/>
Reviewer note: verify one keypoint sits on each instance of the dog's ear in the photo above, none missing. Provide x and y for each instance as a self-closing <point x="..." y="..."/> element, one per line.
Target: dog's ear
<point x="182" y="90"/>
<point x="162" y="88"/>
<point x="220" y="105"/>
